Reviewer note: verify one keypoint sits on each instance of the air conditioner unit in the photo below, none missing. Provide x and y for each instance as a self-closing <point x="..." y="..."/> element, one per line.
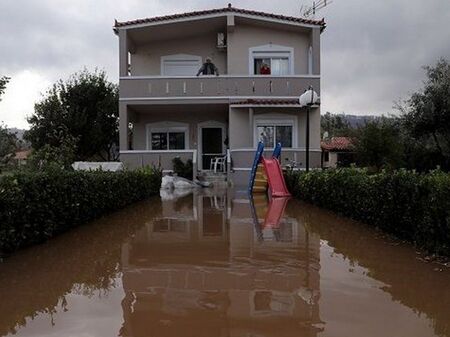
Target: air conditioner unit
<point x="221" y="41"/>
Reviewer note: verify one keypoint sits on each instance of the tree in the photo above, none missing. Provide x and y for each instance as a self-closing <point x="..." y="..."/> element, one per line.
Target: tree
<point x="426" y="115"/>
<point x="3" y="82"/>
<point x="84" y="109"/>
<point x="378" y="144"/>
<point x="335" y="125"/>
<point x="7" y="145"/>
<point x="60" y="152"/>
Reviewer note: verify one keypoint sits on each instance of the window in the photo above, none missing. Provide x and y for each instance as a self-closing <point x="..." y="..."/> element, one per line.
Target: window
<point x="175" y="140"/>
<point x="271" y="66"/>
<point x="275" y="128"/>
<point x="167" y="136"/>
<point x="271" y="60"/>
<point x="180" y="65"/>
<point x="274" y="134"/>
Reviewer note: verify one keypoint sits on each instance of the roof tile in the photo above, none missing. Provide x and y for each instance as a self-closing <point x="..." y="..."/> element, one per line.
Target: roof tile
<point x="338" y="144"/>
<point x="228" y="9"/>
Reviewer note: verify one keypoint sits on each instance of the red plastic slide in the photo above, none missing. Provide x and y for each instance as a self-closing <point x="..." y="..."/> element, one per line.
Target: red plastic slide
<point x="275" y="212"/>
<point x="275" y="178"/>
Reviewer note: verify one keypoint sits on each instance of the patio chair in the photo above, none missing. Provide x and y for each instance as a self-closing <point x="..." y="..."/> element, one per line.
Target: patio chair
<point x="218" y="164"/>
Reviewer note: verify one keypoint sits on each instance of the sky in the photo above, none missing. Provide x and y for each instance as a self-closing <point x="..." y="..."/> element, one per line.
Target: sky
<point x="372" y="51"/>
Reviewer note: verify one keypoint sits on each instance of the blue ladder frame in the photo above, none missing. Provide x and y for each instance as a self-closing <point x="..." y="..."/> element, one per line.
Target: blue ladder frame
<point x="277" y="151"/>
<point x="258" y="155"/>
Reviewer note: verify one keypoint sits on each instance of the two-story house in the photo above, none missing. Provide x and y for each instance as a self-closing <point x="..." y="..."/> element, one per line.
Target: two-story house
<point x="265" y="62"/>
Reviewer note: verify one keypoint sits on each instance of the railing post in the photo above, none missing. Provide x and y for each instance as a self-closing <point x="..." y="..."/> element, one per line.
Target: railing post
<point x="228" y="165"/>
<point x="194" y="164"/>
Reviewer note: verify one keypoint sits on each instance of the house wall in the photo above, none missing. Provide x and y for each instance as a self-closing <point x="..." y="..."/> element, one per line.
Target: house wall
<point x="240" y="131"/>
<point x="147" y="58"/>
<point x="246" y="36"/>
<point x="178" y="115"/>
<point x="333" y="159"/>
<point x="242" y="127"/>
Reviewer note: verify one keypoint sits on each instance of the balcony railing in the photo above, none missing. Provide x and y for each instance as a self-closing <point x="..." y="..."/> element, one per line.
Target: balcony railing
<point x="137" y="87"/>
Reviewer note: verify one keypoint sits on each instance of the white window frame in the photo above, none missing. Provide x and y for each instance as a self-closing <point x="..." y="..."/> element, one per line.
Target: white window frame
<point x="270" y="51"/>
<point x="275" y="120"/>
<point x="180" y="57"/>
<point x="167" y="127"/>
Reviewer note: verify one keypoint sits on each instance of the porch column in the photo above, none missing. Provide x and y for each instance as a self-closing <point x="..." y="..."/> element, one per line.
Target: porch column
<point x="123" y="52"/>
<point x="123" y="127"/>
<point x="315" y="44"/>
<point x="230" y="42"/>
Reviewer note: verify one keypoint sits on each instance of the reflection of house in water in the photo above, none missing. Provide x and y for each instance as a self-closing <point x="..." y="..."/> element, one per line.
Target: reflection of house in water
<point x="203" y="270"/>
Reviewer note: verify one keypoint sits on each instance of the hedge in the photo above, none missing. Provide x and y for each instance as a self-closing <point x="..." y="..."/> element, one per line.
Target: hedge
<point x="35" y="206"/>
<point x="412" y="206"/>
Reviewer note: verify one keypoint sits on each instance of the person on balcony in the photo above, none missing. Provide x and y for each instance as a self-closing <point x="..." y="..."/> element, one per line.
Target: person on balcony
<point x="265" y="69"/>
<point x="208" y="68"/>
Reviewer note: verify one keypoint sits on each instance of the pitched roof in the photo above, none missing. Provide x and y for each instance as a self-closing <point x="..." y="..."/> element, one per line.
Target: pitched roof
<point x="337" y="144"/>
<point x="229" y="9"/>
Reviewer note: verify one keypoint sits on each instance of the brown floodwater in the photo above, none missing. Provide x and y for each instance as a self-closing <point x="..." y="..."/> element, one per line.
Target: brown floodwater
<point x="214" y="263"/>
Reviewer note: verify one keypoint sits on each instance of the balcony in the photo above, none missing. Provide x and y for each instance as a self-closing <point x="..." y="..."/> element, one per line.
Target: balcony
<point x="227" y="86"/>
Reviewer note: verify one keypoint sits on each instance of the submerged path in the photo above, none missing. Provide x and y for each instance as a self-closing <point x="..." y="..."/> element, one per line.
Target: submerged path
<point x="212" y="263"/>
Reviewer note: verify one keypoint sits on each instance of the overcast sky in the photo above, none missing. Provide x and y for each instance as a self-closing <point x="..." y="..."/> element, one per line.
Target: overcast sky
<point x="372" y="51"/>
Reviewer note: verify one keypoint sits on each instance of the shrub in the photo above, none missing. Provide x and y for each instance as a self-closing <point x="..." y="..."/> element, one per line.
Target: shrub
<point x="35" y="206"/>
<point x="412" y="206"/>
<point x="184" y="170"/>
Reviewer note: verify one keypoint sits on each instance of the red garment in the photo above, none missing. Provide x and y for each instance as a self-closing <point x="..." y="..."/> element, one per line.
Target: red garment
<point x="264" y="71"/>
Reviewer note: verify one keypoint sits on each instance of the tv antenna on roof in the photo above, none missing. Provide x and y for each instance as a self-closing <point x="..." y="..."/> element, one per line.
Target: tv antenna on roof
<point x="309" y="12"/>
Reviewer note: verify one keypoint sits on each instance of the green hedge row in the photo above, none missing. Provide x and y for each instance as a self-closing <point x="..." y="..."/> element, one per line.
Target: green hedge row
<point x="35" y="206"/>
<point x="412" y="206"/>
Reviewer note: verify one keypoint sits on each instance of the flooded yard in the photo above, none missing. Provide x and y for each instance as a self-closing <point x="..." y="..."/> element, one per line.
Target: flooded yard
<point x="214" y="263"/>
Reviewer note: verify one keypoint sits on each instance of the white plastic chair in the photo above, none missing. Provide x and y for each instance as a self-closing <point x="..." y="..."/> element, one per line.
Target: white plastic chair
<point x="218" y="164"/>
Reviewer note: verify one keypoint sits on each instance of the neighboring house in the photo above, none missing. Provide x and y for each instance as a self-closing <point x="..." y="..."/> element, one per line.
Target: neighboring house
<point x="21" y="157"/>
<point x="337" y="151"/>
<point x="172" y="112"/>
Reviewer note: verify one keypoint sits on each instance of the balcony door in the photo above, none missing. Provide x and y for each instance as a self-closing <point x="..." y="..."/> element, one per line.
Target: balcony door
<point x="180" y="65"/>
<point x="211" y="141"/>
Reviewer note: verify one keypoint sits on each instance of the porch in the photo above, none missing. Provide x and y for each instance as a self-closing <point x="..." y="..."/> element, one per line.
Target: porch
<point x="156" y="134"/>
<point x="201" y="132"/>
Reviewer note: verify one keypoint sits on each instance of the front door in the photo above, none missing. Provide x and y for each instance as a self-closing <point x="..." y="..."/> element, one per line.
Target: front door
<point x="212" y="145"/>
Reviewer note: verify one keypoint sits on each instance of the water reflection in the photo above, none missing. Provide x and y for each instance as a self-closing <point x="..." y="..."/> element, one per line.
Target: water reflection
<point x="206" y="267"/>
<point x="218" y="263"/>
